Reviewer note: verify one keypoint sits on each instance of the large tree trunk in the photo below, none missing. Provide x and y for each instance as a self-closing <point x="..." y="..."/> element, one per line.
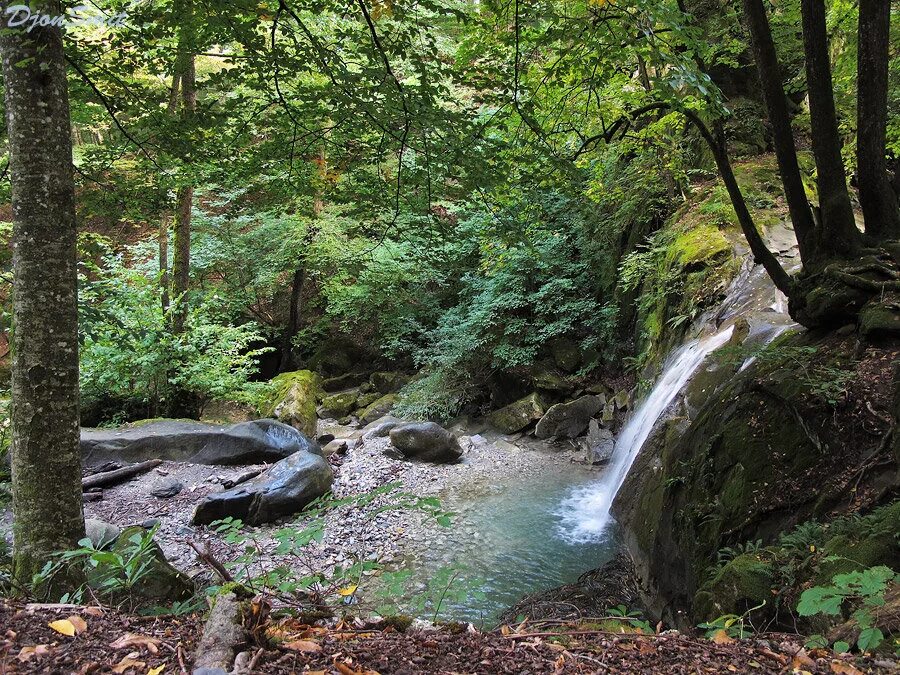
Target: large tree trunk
<point x="876" y="194"/>
<point x="181" y="263"/>
<point x="46" y="462"/>
<point x="780" y="120"/>
<point x="293" y="324"/>
<point x="838" y="236"/>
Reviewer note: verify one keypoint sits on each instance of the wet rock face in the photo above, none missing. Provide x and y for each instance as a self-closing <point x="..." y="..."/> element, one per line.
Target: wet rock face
<point x="294" y="400"/>
<point x="194" y="442"/>
<point x="426" y="441"/>
<point x="569" y="420"/>
<point x="284" y="489"/>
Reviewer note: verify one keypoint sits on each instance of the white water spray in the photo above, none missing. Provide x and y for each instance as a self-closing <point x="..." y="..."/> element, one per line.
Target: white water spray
<point x="584" y="515"/>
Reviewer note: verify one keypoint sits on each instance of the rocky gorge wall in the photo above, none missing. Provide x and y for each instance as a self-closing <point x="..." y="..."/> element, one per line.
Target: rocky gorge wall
<point x="756" y="448"/>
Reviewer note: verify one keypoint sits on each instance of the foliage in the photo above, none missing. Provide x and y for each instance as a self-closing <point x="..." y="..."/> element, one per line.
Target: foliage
<point x="735" y="626"/>
<point x="110" y="575"/>
<point x="864" y="590"/>
<point x="450" y="585"/>
<point x="129" y="352"/>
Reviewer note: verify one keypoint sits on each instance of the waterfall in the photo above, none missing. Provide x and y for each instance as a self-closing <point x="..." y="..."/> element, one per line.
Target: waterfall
<point x="584" y="515"/>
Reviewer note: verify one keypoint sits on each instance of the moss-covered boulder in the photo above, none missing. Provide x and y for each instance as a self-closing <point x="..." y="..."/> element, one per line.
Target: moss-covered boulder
<point x="365" y="400"/>
<point x="381" y="407"/>
<point x="293" y="400"/>
<point x="516" y="416"/>
<point x="750" y="455"/>
<point x="746" y="583"/>
<point x="339" y="405"/>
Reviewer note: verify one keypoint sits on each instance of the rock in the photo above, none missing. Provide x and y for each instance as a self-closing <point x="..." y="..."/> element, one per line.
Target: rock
<point x="426" y="441"/>
<point x="366" y="400"/>
<point x="336" y="355"/>
<point x="96" y="496"/>
<point x="388" y="382"/>
<point x="567" y="355"/>
<point x="568" y="420"/>
<point x="162" y="583"/>
<point x="150" y="523"/>
<point x="325" y="439"/>
<point x="167" y="488"/>
<point x="381" y="427"/>
<point x="609" y="412"/>
<point x="335" y="447"/>
<point x="101" y="533"/>
<point x="284" y="489"/>
<point x="194" y="442"/>
<point x="339" y="405"/>
<point x="379" y="408"/>
<point x="346" y="381"/>
<point x="623" y="400"/>
<point x="599" y="444"/>
<point x="516" y="416"/>
<point x="551" y="380"/>
<point x="294" y="400"/>
<point x="880" y="318"/>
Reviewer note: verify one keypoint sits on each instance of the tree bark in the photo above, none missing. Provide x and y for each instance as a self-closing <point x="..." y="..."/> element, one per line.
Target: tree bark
<point x="46" y="462"/>
<point x="293" y="324"/>
<point x="876" y="194"/>
<point x="780" y="120"/>
<point x="181" y="263"/>
<point x="838" y="235"/>
<point x="164" y="262"/>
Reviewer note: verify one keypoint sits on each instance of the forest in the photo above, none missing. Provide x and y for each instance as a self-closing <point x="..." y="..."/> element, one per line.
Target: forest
<point x="450" y="336"/>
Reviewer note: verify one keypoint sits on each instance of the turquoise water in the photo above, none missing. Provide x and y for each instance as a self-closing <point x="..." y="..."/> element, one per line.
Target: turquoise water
<point x="507" y="541"/>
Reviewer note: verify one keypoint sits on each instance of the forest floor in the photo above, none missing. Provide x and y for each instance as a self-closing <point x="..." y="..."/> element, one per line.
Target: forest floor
<point x="110" y="642"/>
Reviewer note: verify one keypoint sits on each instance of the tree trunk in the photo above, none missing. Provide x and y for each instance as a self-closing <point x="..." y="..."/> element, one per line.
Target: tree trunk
<point x="838" y="236"/>
<point x="783" y="136"/>
<point x="46" y="462"/>
<point x="181" y="263"/>
<point x="293" y="324"/>
<point x="876" y="194"/>
<point x="164" y="262"/>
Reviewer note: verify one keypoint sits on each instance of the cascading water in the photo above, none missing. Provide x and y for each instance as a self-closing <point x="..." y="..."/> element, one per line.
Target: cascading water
<point x="584" y="515"/>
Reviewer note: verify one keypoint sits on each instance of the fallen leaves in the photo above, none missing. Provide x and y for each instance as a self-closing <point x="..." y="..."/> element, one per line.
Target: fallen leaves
<point x="721" y="637"/>
<point x="130" y="640"/>
<point x="28" y="653"/>
<point x="303" y="646"/>
<point x="69" y="627"/>
<point x="128" y="663"/>
<point x="844" y="668"/>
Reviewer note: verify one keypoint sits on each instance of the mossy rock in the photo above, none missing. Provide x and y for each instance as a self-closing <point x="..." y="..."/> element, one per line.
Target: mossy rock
<point x="388" y="382"/>
<point x="293" y="400"/>
<point x="743" y="583"/>
<point x="337" y="406"/>
<point x="366" y="400"/>
<point x="872" y="541"/>
<point x="880" y="318"/>
<point x="566" y="355"/>
<point x="516" y="416"/>
<point x="381" y="407"/>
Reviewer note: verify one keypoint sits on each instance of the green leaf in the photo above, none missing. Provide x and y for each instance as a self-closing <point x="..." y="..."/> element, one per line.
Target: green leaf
<point x="869" y="639"/>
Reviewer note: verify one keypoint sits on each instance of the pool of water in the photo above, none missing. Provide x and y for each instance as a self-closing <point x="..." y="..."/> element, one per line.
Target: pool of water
<point x="507" y="541"/>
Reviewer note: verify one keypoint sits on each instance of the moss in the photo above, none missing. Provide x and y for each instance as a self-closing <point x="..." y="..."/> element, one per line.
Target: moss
<point x="379" y="408"/>
<point x="745" y="582"/>
<point x="293" y="400"/>
<point x="339" y="405"/>
<point x="516" y="416"/>
<point x="399" y="622"/>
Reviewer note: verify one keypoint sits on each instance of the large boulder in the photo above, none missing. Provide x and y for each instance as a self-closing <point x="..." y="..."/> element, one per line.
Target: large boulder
<point x="379" y="408"/>
<point x="598" y="444"/>
<point x="194" y="442"/>
<point x="426" y="441"/>
<point x="568" y="420"/>
<point x="381" y="427"/>
<point x="516" y="416"/>
<point x="293" y="400"/>
<point x="285" y="488"/>
<point x="339" y="405"/>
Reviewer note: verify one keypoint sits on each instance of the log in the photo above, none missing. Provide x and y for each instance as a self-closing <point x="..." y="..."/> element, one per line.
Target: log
<point x="108" y="478"/>
<point x="223" y="637"/>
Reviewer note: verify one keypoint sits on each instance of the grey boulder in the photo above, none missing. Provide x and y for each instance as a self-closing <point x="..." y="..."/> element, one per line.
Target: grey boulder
<point x="284" y="489"/>
<point x="598" y="444"/>
<point x="426" y="441"/>
<point x="568" y="420"/>
<point x="166" y="488"/>
<point x="194" y="442"/>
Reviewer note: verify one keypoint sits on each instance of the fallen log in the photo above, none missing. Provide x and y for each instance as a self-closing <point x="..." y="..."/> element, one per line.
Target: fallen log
<point x="223" y="637"/>
<point x="108" y="478"/>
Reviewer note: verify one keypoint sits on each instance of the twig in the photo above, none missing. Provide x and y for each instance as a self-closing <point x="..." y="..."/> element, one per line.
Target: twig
<point x="112" y="477"/>
<point x="206" y="556"/>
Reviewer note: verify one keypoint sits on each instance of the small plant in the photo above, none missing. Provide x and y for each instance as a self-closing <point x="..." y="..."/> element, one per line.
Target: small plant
<point x="449" y="585"/>
<point x="864" y="590"/>
<point x="734" y="626"/>
<point x="632" y="617"/>
<point x="110" y="575"/>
